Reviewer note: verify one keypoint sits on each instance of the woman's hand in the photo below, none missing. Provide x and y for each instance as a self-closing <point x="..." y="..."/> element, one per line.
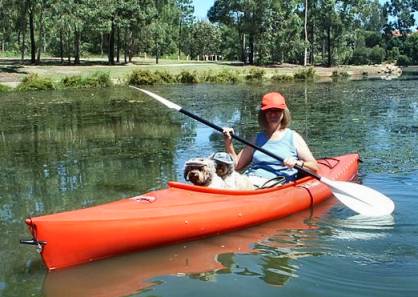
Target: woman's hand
<point x="227" y="135"/>
<point x="291" y="162"/>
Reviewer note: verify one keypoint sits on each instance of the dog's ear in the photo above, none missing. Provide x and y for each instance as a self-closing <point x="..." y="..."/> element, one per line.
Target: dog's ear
<point x="209" y="173"/>
<point x="185" y="173"/>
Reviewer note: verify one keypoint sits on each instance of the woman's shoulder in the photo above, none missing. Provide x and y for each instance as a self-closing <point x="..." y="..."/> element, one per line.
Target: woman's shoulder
<point x="297" y="138"/>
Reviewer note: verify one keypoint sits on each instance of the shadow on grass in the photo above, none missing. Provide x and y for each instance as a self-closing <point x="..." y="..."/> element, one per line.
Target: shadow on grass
<point x="12" y="69"/>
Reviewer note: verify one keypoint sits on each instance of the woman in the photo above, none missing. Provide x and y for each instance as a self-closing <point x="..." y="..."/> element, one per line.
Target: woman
<point x="276" y="137"/>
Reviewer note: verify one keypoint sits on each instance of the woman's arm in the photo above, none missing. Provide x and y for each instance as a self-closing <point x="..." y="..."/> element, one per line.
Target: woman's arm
<point x="306" y="159"/>
<point x="244" y="157"/>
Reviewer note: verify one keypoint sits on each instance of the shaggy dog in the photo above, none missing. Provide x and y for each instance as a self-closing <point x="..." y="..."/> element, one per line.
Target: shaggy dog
<point x="201" y="172"/>
<point x="225" y="168"/>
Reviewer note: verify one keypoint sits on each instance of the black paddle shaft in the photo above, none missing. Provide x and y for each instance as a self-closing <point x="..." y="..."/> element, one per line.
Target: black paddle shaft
<point x="268" y="153"/>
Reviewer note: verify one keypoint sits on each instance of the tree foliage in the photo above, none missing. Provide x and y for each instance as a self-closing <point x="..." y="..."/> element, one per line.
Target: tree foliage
<point x="252" y="31"/>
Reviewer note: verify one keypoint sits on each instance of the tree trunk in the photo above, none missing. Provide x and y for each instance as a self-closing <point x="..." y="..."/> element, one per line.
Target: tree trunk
<point x="312" y="44"/>
<point x="3" y="42"/>
<point x="305" y="58"/>
<point x="61" y="47"/>
<point x="251" y="57"/>
<point x="329" y="45"/>
<point x="243" y="51"/>
<point x="111" y="51"/>
<point x="179" y="46"/>
<point x="69" y="49"/>
<point x="157" y="56"/>
<point x="40" y="37"/>
<point x="101" y="43"/>
<point x="125" y="54"/>
<point x="23" y="46"/>
<point x="118" y="45"/>
<point x="77" y="38"/>
<point x="32" y="36"/>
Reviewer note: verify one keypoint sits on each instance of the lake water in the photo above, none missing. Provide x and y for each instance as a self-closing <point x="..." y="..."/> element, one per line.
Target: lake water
<point x="71" y="149"/>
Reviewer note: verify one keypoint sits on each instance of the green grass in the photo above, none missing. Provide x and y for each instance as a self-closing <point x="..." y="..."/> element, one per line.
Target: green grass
<point x="4" y="88"/>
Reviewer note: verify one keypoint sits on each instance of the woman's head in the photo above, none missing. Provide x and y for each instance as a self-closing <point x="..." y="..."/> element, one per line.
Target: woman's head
<point x="273" y="108"/>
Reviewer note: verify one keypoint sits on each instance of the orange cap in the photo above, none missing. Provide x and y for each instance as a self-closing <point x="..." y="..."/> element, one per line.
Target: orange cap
<point x="273" y="100"/>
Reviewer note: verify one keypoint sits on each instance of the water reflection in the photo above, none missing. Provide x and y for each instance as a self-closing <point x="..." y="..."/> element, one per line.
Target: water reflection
<point x="73" y="149"/>
<point x="276" y="245"/>
<point x="359" y="227"/>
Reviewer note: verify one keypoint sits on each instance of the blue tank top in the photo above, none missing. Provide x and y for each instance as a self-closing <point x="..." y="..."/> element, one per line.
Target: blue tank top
<point x="267" y="167"/>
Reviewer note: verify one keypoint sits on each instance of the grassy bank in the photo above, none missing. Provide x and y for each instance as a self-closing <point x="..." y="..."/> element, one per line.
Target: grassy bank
<point x="88" y="75"/>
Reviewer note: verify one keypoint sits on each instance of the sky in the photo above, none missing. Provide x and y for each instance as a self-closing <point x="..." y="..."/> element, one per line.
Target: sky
<point x="201" y="8"/>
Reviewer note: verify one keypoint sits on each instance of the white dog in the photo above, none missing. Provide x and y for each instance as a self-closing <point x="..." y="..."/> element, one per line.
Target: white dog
<point x="225" y="168"/>
<point x="201" y="172"/>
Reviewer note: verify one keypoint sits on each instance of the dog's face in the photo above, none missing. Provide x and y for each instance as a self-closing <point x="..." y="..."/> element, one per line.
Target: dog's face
<point x="224" y="164"/>
<point x="223" y="170"/>
<point x="199" y="171"/>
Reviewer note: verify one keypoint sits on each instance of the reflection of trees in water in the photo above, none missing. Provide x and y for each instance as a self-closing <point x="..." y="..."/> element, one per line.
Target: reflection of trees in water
<point x="108" y="144"/>
<point x="67" y="150"/>
<point x="272" y="270"/>
<point x="335" y="118"/>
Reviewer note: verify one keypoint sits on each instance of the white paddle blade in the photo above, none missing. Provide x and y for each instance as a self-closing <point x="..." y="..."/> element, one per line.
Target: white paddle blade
<point x="361" y="199"/>
<point x="162" y="100"/>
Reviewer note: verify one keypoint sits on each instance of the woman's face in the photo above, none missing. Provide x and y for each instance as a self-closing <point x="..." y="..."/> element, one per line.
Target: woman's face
<point x="273" y="116"/>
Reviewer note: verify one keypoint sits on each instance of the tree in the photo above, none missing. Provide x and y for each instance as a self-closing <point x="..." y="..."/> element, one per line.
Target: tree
<point x="305" y="59"/>
<point x="205" y="39"/>
<point x="402" y="12"/>
<point x="230" y="14"/>
<point x="186" y="20"/>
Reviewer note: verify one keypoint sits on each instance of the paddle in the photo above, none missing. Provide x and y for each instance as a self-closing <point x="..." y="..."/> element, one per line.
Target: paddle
<point x="359" y="198"/>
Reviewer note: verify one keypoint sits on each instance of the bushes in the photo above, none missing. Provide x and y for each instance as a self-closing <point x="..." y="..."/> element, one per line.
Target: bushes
<point x="360" y="56"/>
<point x="222" y="77"/>
<point x="4" y="88"/>
<point x="187" y="77"/>
<point x="96" y="80"/>
<point x="340" y="75"/>
<point x="255" y="74"/>
<point x="366" y="56"/>
<point x="403" y="61"/>
<point x="147" y="77"/>
<point x="34" y="82"/>
<point x="377" y="55"/>
<point x="142" y="77"/>
<point x="305" y="74"/>
<point x="165" y="77"/>
<point x="393" y="54"/>
<point x="281" y="77"/>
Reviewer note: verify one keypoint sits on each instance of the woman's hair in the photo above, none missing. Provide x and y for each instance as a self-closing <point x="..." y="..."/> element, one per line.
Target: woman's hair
<point x="285" y="122"/>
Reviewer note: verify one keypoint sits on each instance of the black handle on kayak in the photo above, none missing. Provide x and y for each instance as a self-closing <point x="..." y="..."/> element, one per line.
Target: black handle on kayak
<point x="32" y="241"/>
<point x="212" y="125"/>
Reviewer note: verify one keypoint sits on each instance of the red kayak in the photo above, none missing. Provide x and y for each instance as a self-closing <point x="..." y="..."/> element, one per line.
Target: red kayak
<point x="179" y="213"/>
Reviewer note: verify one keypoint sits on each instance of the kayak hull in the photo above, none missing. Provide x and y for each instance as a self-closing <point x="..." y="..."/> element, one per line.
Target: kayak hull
<point x="179" y="213"/>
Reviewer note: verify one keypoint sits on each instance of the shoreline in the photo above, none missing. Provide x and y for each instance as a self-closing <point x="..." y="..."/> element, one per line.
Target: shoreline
<point x="12" y="71"/>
